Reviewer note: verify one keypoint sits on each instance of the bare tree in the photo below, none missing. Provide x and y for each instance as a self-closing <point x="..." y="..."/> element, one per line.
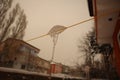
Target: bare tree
<point x="87" y="46"/>
<point x="99" y="69"/>
<point x="12" y="25"/>
<point x="12" y="21"/>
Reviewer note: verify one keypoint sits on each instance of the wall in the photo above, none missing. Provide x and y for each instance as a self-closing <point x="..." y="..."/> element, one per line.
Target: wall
<point x="117" y="47"/>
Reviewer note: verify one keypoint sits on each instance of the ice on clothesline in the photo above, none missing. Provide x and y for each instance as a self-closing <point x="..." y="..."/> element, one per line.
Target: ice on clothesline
<point x="56" y="30"/>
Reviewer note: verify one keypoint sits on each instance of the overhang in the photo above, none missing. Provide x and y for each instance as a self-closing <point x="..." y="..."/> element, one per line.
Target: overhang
<point x="106" y="16"/>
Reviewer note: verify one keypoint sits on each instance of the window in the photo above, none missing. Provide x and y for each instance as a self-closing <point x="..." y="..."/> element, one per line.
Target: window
<point x="23" y="67"/>
<point x="33" y="52"/>
<point x="42" y="62"/>
<point x="24" y="48"/>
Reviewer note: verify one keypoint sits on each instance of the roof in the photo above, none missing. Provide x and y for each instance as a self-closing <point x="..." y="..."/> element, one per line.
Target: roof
<point x="24" y="43"/>
<point x="106" y="24"/>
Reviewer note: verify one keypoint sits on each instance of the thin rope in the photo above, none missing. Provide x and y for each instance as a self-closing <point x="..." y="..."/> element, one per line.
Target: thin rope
<point x="99" y="16"/>
<point x="37" y="37"/>
<point x="80" y="22"/>
<point x="61" y="29"/>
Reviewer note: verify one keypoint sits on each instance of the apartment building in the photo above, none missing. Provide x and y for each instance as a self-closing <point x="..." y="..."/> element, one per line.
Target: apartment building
<point x="17" y="54"/>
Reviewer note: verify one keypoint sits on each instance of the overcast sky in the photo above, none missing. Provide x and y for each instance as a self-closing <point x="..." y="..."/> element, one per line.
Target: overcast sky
<point x="42" y="15"/>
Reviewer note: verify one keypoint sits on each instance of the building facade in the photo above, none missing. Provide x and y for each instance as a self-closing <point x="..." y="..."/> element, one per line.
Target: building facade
<point x="107" y="24"/>
<point x="65" y="69"/>
<point x="18" y="54"/>
<point x="42" y="65"/>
